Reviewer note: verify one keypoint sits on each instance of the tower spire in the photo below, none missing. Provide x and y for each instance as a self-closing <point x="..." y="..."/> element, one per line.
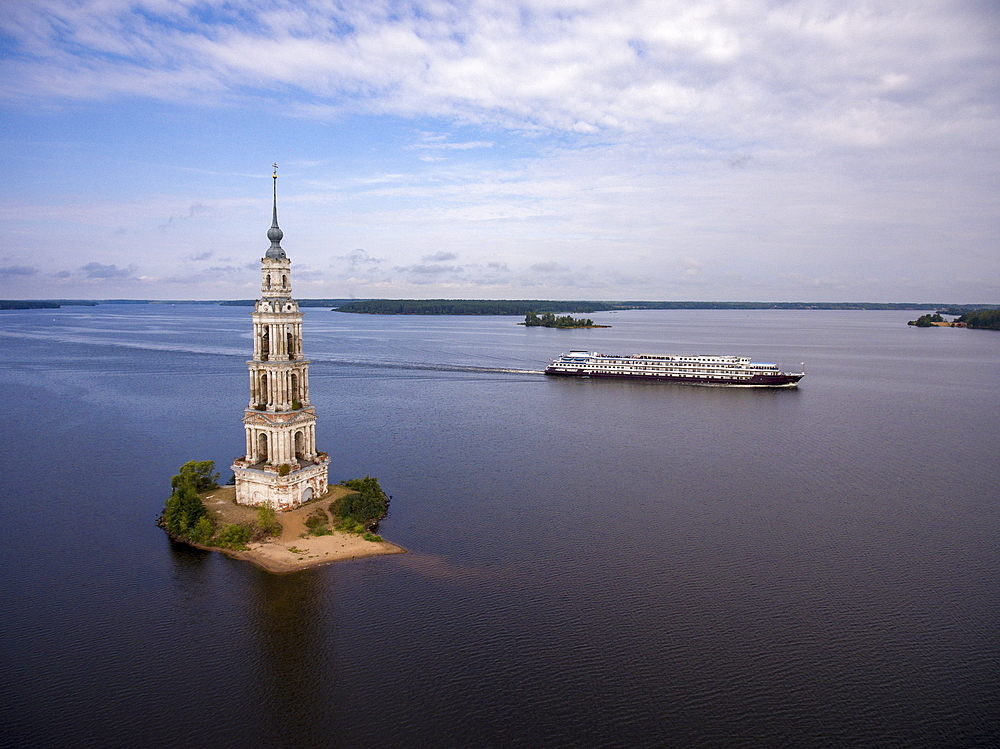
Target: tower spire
<point x="274" y="233"/>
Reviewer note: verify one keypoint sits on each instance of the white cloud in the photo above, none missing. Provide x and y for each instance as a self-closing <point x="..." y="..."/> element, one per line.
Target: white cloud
<point x="456" y="146"/>
<point x="663" y="147"/>
<point x="841" y="71"/>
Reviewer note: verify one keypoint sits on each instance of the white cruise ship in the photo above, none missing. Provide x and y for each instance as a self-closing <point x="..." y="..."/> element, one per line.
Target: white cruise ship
<point x="695" y="370"/>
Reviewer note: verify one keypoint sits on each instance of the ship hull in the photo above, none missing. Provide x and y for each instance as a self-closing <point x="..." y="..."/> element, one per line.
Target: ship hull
<point x="759" y="381"/>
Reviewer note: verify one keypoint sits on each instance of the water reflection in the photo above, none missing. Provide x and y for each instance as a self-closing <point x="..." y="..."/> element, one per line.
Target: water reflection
<point x="292" y="630"/>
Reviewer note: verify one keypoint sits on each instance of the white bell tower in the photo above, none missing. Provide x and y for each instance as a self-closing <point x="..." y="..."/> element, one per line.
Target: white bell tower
<point x="282" y="467"/>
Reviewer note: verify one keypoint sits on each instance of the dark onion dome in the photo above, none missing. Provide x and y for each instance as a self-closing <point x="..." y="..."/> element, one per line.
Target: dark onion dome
<point x="274" y="252"/>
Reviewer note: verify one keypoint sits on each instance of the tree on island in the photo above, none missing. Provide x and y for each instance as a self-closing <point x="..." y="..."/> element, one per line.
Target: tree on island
<point x="363" y="509"/>
<point x="550" y="320"/>
<point x="200" y="475"/>
<point x="184" y="515"/>
<point x="926" y="321"/>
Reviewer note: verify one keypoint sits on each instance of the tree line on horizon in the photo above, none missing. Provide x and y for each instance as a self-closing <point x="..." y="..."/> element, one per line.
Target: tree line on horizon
<point x="503" y="306"/>
<point x="539" y="306"/>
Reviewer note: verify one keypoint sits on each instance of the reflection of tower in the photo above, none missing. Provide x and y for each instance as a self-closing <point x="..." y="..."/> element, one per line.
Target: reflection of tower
<point x="281" y="467"/>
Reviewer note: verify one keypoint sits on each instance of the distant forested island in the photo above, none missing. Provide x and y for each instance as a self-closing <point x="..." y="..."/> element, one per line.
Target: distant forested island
<point x="21" y="304"/>
<point x="302" y="302"/>
<point x="984" y="319"/>
<point x="550" y="320"/>
<point x="43" y="303"/>
<point x="928" y="321"/>
<point x="539" y="306"/>
<point x="468" y="306"/>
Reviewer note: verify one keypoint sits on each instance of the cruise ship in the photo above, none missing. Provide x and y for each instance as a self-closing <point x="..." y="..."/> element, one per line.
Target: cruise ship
<point x="695" y="370"/>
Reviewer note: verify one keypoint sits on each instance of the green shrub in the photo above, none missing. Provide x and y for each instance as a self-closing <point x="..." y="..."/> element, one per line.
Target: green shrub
<point x="183" y="510"/>
<point x="317" y="522"/>
<point x="233" y="536"/>
<point x="316" y="517"/>
<point x="284" y="469"/>
<point x="267" y="522"/>
<point x="372" y="537"/>
<point x="365" y="506"/>
<point x="202" y="530"/>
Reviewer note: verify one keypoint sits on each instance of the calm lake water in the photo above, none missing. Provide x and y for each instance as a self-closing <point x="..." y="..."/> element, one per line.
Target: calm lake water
<point x="593" y="564"/>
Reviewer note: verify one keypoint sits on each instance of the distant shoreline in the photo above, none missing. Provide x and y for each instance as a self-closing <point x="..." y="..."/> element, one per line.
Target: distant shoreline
<point x="539" y="306"/>
<point x="501" y="306"/>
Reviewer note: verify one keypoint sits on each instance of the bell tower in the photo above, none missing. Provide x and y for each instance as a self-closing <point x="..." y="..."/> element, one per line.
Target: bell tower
<point x="282" y="467"/>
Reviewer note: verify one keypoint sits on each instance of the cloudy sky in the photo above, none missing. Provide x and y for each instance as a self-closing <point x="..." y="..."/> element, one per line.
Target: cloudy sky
<point x="796" y="150"/>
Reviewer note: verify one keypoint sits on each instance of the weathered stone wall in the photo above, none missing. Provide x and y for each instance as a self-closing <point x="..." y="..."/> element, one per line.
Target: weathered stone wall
<point x="266" y="487"/>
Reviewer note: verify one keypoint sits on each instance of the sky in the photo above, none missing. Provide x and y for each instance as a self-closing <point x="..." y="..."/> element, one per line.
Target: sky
<point x="740" y="150"/>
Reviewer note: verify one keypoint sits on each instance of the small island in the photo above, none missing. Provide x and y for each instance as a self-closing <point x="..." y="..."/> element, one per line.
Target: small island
<point x="337" y="526"/>
<point x="982" y="319"/>
<point x="550" y="320"/>
<point x="934" y="320"/>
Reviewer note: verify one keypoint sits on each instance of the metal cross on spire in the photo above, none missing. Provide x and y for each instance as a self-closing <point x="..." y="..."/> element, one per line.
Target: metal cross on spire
<point x="275" y="175"/>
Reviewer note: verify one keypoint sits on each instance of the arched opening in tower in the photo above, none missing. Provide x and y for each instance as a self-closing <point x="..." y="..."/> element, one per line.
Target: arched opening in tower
<point x="291" y="346"/>
<point x="295" y="387"/>
<point x="300" y="445"/>
<point x="261" y="447"/>
<point x="265" y="344"/>
<point x="262" y="397"/>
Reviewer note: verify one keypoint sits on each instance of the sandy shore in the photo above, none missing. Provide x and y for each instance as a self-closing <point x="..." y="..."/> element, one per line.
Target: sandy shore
<point x="290" y="552"/>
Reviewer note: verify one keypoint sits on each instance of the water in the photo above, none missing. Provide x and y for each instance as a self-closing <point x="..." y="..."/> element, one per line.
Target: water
<point x="593" y="564"/>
